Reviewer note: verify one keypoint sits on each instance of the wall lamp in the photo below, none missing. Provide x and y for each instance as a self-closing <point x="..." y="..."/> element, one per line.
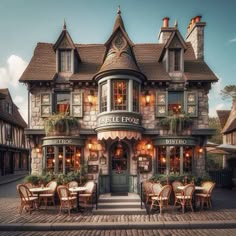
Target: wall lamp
<point x="147" y="97"/>
<point x="90" y="145"/>
<point x="91" y="97"/>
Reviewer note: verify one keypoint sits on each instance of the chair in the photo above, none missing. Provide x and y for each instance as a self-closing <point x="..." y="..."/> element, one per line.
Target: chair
<point x="66" y="199"/>
<point x="73" y="184"/>
<point x="185" y="197"/>
<point x="156" y="188"/>
<point x="205" y="195"/>
<point x="50" y="194"/>
<point x="28" y="201"/>
<point x="87" y="195"/>
<point x="148" y="191"/>
<point x="175" y="184"/>
<point x="162" y="198"/>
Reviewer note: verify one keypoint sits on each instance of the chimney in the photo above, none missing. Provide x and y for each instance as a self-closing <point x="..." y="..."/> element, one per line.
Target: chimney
<point x="195" y="36"/>
<point x="165" y="31"/>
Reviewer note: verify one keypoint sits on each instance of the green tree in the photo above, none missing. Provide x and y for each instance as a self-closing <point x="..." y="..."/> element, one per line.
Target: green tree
<point x="214" y="123"/>
<point x="229" y="91"/>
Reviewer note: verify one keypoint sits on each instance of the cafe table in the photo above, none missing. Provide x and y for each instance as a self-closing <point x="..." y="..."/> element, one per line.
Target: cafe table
<point x="77" y="190"/>
<point x="38" y="190"/>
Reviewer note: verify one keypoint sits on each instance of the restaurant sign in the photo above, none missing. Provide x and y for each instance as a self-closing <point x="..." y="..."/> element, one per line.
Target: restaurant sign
<point x="183" y="141"/>
<point x="62" y="141"/>
<point x="121" y="118"/>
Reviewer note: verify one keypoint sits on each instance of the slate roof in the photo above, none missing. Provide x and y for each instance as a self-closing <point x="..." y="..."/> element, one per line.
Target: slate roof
<point x="223" y="117"/>
<point x="14" y="118"/>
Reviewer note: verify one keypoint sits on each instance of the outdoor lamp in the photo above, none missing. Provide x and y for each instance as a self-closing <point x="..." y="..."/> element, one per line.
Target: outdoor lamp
<point x="90" y="97"/>
<point x="147" y="98"/>
<point x="148" y="145"/>
<point x="90" y="145"/>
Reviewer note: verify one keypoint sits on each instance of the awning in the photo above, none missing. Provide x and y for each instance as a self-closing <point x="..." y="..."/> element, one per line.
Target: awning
<point x="228" y="148"/>
<point x="120" y="134"/>
<point x="215" y="150"/>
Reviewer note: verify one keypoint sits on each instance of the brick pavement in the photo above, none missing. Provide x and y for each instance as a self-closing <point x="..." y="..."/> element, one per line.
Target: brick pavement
<point x="221" y="217"/>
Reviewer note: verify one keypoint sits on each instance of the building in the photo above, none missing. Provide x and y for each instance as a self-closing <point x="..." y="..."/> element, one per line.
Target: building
<point x="228" y="124"/>
<point x="119" y="110"/>
<point x="14" y="152"/>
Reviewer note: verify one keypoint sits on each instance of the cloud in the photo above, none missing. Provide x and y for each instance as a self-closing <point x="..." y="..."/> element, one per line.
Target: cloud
<point x="22" y="104"/>
<point x="232" y="40"/>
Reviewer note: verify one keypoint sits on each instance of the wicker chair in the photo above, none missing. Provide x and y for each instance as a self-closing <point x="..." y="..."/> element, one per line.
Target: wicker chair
<point x="28" y="201"/>
<point x="156" y="188"/>
<point x="175" y="184"/>
<point x="148" y="191"/>
<point x="67" y="201"/>
<point x="87" y="195"/>
<point x="204" y="197"/>
<point x="73" y="184"/>
<point x="162" y="199"/>
<point x="49" y="196"/>
<point x="185" y="197"/>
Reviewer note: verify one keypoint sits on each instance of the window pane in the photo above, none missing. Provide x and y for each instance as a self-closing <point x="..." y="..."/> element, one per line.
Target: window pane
<point x="161" y="160"/>
<point x="174" y="160"/>
<point x="63" y="103"/>
<point x="135" y="96"/>
<point x="65" y="61"/>
<point x="174" y="59"/>
<point x="187" y="165"/>
<point x="104" y="97"/>
<point x="175" y="102"/>
<point x="120" y="89"/>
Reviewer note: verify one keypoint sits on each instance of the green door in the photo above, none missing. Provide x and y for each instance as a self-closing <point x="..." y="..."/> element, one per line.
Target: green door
<point x="119" y="166"/>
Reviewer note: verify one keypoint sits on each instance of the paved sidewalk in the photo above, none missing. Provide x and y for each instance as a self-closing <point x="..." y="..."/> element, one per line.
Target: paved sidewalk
<point x="222" y="216"/>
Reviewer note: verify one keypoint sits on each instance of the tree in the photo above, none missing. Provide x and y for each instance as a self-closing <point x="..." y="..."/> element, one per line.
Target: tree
<point x="229" y="91"/>
<point x="214" y="123"/>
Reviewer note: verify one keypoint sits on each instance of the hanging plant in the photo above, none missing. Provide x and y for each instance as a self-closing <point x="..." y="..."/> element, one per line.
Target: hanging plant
<point x="61" y="124"/>
<point x="176" y="123"/>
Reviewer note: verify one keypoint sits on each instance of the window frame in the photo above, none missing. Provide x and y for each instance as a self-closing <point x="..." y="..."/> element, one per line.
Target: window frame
<point x="46" y="104"/>
<point x="65" y="60"/>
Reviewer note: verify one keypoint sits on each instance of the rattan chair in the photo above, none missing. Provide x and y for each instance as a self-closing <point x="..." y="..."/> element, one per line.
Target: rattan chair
<point x="73" y="184"/>
<point x="186" y="196"/>
<point x="87" y="195"/>
<point x="204" y="197"/>
<point x="162" y="199"/>
<point x="67" y="201"/>
<point x="28" y="201"/>
<point x="148" y="191"/>
<point x="175" y="184"/>
<point x="49" y="195"/>
<point x="156" y="188"/>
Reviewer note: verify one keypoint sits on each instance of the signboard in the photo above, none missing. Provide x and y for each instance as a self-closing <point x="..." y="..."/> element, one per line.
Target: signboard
<point x="62" y="141"/>
<point x="178" y="141"/>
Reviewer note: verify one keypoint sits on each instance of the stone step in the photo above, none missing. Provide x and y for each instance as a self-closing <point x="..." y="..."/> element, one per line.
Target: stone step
<point x="120" y="211"/>
<point x="112" y="205"/>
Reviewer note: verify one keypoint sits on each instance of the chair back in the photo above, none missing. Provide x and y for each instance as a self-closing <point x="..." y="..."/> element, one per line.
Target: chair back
<point x="156" y="188"/>
<point x="175" y="185"/>
<point x="165" y="192"/>
<point x="188" y="191"/>
<point x="24" y="192"/>
<point x="63" y="192"/>
<point x="29" y="185"/>
<point x="148" y="187"/>
<point x="208" y="187"/>
<point x="52" y="185"/>
<point x="72" y="184"/>
<point x="90" y="185"/>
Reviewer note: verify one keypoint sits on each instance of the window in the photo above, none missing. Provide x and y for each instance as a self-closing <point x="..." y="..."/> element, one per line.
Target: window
<point x="8" y="132"/>
<point x="161" y="104"/>
<point x="8" y="107"/>
<point x="104" y="92"/>
<point x="77" y="104"/>
<point x="62" y="103"/>
<point x="175" y="59"/>
<point x="65" y="61"/>
<point x="45" y="104"/>
<point x="175" y="102"/>
<point x="135" y="97"/>
<point x="120" y="92"/>
<point x="191" y="104"/>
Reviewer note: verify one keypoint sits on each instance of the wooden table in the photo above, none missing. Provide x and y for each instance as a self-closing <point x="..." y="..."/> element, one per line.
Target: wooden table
<point x="78" y="190"/>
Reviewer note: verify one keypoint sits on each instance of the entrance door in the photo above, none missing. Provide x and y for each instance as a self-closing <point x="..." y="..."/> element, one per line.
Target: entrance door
<point x="119" y="167"/>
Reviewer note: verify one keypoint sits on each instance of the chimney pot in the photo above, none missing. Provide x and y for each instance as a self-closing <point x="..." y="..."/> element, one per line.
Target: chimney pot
<point x="165" y="22"/>
<point x="198" y="18"/>
<point x="193" y="21"/>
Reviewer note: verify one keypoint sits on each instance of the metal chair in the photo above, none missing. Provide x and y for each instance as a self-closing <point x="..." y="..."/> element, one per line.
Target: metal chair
<point x="28" y="201"/>
<point x="67" y="201"/>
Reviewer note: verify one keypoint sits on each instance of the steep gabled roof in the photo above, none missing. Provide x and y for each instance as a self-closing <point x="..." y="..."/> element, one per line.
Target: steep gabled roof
<point x="14" y="118"/>
<point x="223" y="116"/>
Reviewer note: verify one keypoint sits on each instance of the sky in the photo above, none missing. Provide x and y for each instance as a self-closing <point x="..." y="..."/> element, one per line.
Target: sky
<point x="24" y="23"/>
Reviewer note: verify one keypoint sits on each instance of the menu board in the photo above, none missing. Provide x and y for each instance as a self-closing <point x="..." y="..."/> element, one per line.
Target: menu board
<point x="144" y="163"/>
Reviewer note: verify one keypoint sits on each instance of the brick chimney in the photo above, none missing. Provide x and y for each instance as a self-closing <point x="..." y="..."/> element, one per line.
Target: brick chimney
<point x="165" y="31"/>
<point x="195" y="35"/>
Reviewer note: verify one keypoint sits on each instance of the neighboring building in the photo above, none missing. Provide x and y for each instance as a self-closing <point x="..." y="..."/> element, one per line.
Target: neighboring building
<point x="142" y="109"/>
<point x="228" y="124"/>
<point x="14" y="153"/>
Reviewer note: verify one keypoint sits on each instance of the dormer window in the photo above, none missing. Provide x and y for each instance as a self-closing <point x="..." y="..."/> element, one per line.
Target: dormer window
<point x="65" y="61"/>
<point x="8" y="107"/>
<point x="174" y="59"/>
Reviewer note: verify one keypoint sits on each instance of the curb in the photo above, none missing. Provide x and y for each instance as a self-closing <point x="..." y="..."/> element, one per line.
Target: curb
<point x="118" y="225"/>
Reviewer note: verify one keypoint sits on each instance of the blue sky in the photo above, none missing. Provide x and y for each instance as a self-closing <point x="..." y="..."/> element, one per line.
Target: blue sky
<point x="24" y="23"/>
